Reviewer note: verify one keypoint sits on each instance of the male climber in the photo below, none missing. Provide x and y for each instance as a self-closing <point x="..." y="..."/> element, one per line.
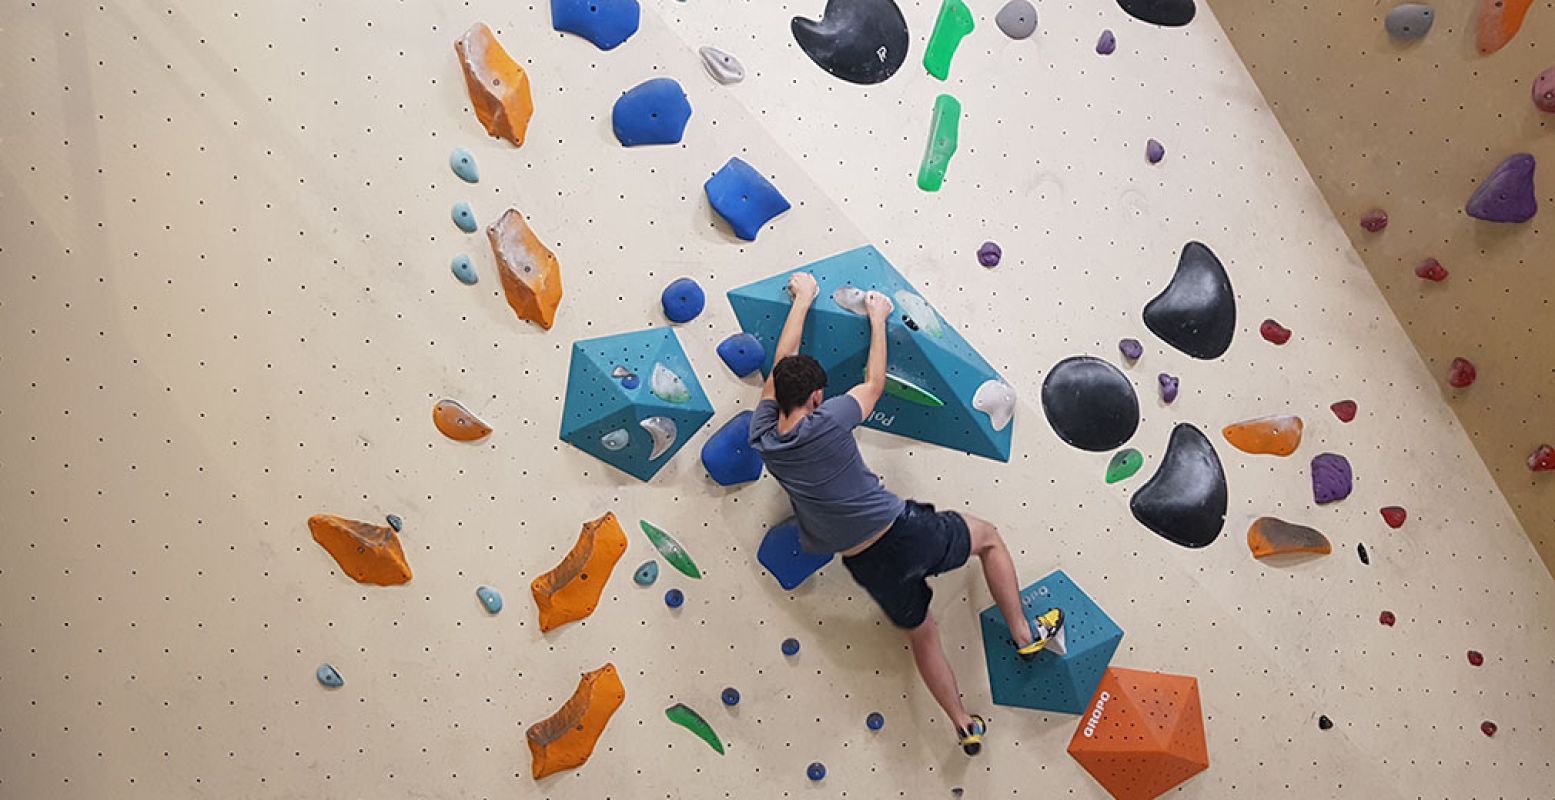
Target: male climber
<point x="888" y="545"/>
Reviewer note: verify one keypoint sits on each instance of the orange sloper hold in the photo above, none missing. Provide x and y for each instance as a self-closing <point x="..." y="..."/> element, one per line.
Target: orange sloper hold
<point x="1276" y="537"/>
<point x="1142" y="734"/>
<point x="1499" y="21"/>
<point x="367" y="553"/>
<point x="457" y="423"/>
<point x="565" y="740"/>
<point x="571" y="591"/>
<point x="531" y="277"/>
<point x="1274" y="436"/>
<point x="499" y="87"/>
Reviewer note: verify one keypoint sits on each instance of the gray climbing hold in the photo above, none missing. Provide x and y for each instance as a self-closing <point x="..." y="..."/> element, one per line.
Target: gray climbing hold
<point x="1409" y="21"/>
<point x="464" y="217"/>
<point x="1018" y="19"/>
<point x="724" y="68"/>
<point x="464" y="270"/>
<point x="615" y="440"/>
<point x="329" y="677"/>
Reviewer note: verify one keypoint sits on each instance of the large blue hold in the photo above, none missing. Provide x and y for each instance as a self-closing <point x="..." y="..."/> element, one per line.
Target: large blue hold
<point x="683" y="300"/>
<point x="1051" y="682"/>
<point x="744" y="198"/>
<point x="606" y="23"/>
<point x="742" y="353"/>
<point x="925" y="351"/>
<point x="652" y="112"/>
<point x="789" y="563"/>
<point x="728" y="456"/>
<point x="598" y="404"/>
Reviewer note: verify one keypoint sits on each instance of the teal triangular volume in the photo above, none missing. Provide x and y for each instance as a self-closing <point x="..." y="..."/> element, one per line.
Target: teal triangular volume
<point x="598" y="403"/>
<point x="1051" y="682"/>
<point x="940" y="362"/>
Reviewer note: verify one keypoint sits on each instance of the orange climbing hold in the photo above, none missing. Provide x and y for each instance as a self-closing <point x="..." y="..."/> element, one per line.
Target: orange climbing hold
<point x="1269" y="536"/>
<point x="531" y="276"/>
<point x="571" y="590"/>
<point x="457" y="423"/>
<point x="1142" y="734"/>
<point x="1274" y="436"/>
<point x="367" y="553"/>
<point x="499" y="87"/>
<point x="565" y="740"/>
<point x="1499" y="21"/>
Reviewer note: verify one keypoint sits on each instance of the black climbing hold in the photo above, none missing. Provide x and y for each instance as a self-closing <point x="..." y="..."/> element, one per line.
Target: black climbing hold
<point x="1324" y="723"/>
<point x="1196" y="312"/>
<point x="1171" y="13"/>
<point x="1360" y="550"/>
<point x="859" y="41"/>
<point x="1185" y="501"/>
<point x="1090" y="404"/>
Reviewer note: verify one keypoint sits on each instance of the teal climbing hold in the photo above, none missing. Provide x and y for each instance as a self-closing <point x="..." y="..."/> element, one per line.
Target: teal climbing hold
<point x="464" y="217"/>
<point x="944" y="133"/>
<point x="744" y="198"/>
<point x="490" y="598"/>
<point x="329" y="677"/>
<point x="647" y="573"/>
<point x="463" y="165"/>
<point x="1051" y="682"/>
<point x="464" y="270"/>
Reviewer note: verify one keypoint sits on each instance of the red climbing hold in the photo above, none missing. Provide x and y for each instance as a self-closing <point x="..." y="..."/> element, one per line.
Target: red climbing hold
<point x="1475" y="658"/>
<point x="1344" y="410"/>
<point x="1394" y="516"/>
<point x="1488" y="728"/>
<point x="1387" y="618"/>
<point x="1431" y="270"/>
<point x="1374" y="220"/>
<point x="1462" y="373"/>
<point x="1274" y="332"/>
<point x="1542" y="459"/>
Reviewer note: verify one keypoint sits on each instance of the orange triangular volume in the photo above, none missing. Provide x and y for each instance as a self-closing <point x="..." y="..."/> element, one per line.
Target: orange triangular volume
<point x="1499" y="21"/>
<point x="565" y="740"/>
<point x="1270" y="536"/>
<point x="499" y="87"/>
<point x="531" y="276"/>
<point x="571" y="591"/>
<point x="367" y="553"/>
<point x="1142" y="734"/>
<point x="1274" y="436"/>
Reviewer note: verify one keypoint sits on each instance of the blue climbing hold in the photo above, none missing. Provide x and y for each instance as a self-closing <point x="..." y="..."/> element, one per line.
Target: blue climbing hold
<point x="744" y="198"/>
<point x="464" y="270"/>
<point x="464" y="217"/>
<point x="731" y="696"/>
<point x="630" y="382"/>
<point x="683" y="300"/>
<point x="789" y="563"/>
<point x="674" y="598"/>
<point x="875" y="721"/>
<point x="490" y="598"/>
<point x="606" y="23"/>
<point x="790" y="647"/>
<point x="652" y="112"/>
<point x="727" y="454"/>
<point x="463" y="165"/>
<point x="395" y="522"/>
<point x="742" y="354"/>
<point x="647" y="573"/>
<point x="816" y="771"/>
<point x="329" y="677"/>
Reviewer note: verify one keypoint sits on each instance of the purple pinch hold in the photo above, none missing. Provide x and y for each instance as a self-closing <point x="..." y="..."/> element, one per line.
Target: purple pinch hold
<point x="1168" y="387"/>
<point x="989" y="254"/>
<point x="1107" y="43"/>
<point x="1131" y="349"/>
<point x="1332" y="478"/>
<point x="1154" y="151"/>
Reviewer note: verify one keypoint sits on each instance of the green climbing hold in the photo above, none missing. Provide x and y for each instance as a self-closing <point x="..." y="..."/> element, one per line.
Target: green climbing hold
<point x="903" y="389"/>
<point x="683" y="716"/>
<point x="671" y="550"/>
<point x="943" y="132"/>
<point x="1124" y="464"/>
<point x="952" y="25"/>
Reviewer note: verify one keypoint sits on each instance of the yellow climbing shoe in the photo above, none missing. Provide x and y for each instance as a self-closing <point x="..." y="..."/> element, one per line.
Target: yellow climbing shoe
<point x="1044" y="628"/>
<point x="972" y="735"/>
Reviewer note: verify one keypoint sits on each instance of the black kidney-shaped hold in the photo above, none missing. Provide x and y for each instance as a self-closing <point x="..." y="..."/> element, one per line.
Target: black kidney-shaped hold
<point x="1171" y="13"/>
<point x="1090" y="404"/>
<point x="1185" y="501"/>
<point x="1196" y="312"/>
<point x="859" y="41"/>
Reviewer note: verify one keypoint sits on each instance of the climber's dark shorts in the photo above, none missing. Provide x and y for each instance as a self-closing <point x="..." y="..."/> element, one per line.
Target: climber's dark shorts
<point x="921" y="542"/>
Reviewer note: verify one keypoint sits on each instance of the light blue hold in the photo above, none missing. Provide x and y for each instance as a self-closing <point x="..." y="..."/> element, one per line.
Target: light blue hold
<point x="646" y="574"/>
<point x="1051" y="682"/>
<point x="652" y="112"/>
<point x="328" y="677"/>
<point x="606" y="23"/>
<point x="464" y="217"/>
<point x="395" y="522"/>
<point x="490" y="598"/>
<point x="464" y="270"/>
<point x="744" y="198"/>
<point x="463" y="165"/>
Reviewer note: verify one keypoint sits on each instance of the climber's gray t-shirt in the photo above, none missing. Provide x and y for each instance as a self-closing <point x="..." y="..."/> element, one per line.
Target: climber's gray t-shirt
<point x="838" y="501"/>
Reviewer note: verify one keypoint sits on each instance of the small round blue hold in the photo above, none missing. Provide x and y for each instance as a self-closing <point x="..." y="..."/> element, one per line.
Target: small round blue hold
<point x="875" y="721"/>
<point x="790" y="647"/>
<point x="647" y="573"/>
<point x="395" y="522"/>
<point x="630" y="382"/>
<point x="463" y="165"/>
<point x="731" y="696"/>
<point x="464" y="270"/>
<point x="464" y="217"/>
<point x="683" y="300"/>
<point x="329" y="677"/>
<point x="816" y="771"/>
<point x="674" y="598"/>
<point x="490" y="598"/>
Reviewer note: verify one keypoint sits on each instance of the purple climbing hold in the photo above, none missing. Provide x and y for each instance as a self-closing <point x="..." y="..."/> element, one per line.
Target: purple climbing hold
<point x="1331" y="478"/>
<point x="1168" y="388"/>
<point x="1154" y="151"/>
<point x="1107" y="43"/>
<point x="1544" y="91"/>
<point x="1507" y="195"/>
<point x="989" y="254"/>
<point x="1131" y="349"/>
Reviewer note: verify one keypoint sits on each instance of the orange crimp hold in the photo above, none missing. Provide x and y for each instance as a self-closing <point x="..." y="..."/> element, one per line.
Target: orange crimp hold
<point x="1142" y="734"/>
<point x="367" y="553"/>
<point x="565" y="740"/>
<point x="531" y="277"/>
<point x="571" y="591"/>
<point x="1273" y="436"/>
<point x="1499" y="21"/>
<point x="1269" y="536"/>
<point x="499" y="87"/>
<point x="457" y="423"/>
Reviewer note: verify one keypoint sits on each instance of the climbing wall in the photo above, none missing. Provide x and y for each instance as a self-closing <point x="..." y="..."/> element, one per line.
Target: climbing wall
<point x="227" y="306"/>
<point x="1413" y="127"/>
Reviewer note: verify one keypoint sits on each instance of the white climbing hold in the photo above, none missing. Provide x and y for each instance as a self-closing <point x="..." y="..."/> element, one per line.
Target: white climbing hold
<point x="615" y="440"/>
<point x="724" y="68"/>
<point x="662" y="429"/>
<point x="668" y="386"/>
<point x="850" y="298"/>
<point x="996" y="399"/>
<point x="920" y="312"/>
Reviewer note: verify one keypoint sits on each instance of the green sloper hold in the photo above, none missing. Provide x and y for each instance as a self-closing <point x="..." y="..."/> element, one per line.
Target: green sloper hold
<point x="683" y="716"/>
<point x="903" y="389"/>
<point x="1124" y="464"/>
<point x="952" y="25"/>
<point x="671" y="550"/>
<point x="943" y="133"/>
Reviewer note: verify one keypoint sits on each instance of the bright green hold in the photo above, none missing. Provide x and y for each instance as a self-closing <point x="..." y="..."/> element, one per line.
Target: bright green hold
<point x="1124" y="464"/>
<point x="671" y="550"/>
<point x="943" y="133"/>
<point x="903" y="389"/>
<point x="683" y="716"/>
<point x="953" y="24"/>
